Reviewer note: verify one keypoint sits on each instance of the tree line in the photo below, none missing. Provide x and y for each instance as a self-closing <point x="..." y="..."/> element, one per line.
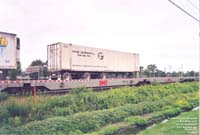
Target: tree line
<point x="152" y="71"/>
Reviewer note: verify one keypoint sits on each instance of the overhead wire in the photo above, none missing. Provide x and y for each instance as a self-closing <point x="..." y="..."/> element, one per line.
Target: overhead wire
<point x="184" y="10"/>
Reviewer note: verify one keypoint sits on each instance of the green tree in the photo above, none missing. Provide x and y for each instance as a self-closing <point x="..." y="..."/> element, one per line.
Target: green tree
<point x="160" y="73"/>
<point x="43" y="71"/>
<point x="152" y="68"/>
<point x="146" y="73"/>
<point x="190" y="73"/>
<point x="37" y="62"/>
<point x="174" y="74"/>
<point x="15" y="72"/>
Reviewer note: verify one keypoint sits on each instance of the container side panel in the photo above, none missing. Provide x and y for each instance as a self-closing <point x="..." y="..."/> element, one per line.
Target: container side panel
<point x="78" y="58"/>
<point x="137" y="62"/>
<point x="66" y="57"/>
<point x="95" y="59"/>
<point x="48" y="57"/>
<point x="7" y="51"/>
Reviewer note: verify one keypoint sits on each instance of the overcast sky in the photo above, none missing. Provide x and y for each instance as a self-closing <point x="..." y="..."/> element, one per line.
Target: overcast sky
<point x="157" y="30"/>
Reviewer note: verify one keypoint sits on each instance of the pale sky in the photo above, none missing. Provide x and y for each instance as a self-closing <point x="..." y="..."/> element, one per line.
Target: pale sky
<point x="157" y="30"/>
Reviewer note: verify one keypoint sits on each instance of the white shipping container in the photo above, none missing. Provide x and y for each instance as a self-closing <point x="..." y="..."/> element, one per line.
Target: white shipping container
<point x="8" y="51"/>
<point x="80" y="58"/>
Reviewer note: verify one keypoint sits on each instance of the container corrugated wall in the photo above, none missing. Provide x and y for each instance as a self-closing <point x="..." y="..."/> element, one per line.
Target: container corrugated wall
<point x="79" y="58"/>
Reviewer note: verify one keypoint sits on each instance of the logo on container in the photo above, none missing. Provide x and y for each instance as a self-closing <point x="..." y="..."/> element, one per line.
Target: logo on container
<point x="100" y="56"/>
<point x="3" y="42"/>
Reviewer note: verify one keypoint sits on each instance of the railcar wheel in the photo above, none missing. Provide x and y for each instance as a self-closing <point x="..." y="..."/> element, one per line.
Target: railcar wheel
<point x="86" y="76"/>
<point x="67" y="76"/>
<point x="103" y="76"/>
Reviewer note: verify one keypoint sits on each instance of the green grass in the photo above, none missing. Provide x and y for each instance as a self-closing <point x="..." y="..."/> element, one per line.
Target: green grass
<point x="82" y="100"/>
<point x="85" y="111"/>
<point x="174" y="127"/>
<point x="109" y="129"/>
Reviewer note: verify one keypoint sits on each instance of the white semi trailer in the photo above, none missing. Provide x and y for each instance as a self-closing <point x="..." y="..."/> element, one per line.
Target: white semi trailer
<point x="69" y="61"/>
<point x="9" y="52"/>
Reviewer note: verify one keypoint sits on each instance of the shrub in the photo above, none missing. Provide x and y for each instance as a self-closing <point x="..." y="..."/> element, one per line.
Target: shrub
<point x="111" y="129"/>
<point x="88" y="121"/>
<point x="154" y="83"/>
<point x="4" y="114"/>
<point x="184" y="105"/>
<point x="80" y="90"/>
<point x="82" y="99"/>
<point x="112" y="106"/>
<point x="14" y="121"/>
<point x="3" y="96"/>
<point x="58" y="111"/>
<point x="117" y="115"/>
<point x="167" y="113"/>
<point x="194" y="102"/>
<point x="136" y="120"/>
<point x="15" y="109"/>
<point x="77" y="132"/>
<point x="140" y="122"/>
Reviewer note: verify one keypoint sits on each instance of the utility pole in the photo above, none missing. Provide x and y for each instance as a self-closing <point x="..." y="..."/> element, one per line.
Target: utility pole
<point x="181" y="70"/>
<point x="38" y="72"/>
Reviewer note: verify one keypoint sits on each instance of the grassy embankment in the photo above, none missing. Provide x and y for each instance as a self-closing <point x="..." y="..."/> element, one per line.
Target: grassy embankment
<point x="185" y="124"/>
<point x="87" y="112"/>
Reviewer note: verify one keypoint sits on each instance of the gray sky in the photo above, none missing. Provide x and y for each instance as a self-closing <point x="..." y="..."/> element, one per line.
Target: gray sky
<point x="157" y="30"/>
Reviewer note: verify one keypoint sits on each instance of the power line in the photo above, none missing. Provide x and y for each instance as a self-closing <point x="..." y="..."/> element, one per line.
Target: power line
<point x="183" y="10"/>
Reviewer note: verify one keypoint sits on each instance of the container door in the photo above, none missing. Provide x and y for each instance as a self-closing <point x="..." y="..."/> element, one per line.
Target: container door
<point x="54" y="57"/>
